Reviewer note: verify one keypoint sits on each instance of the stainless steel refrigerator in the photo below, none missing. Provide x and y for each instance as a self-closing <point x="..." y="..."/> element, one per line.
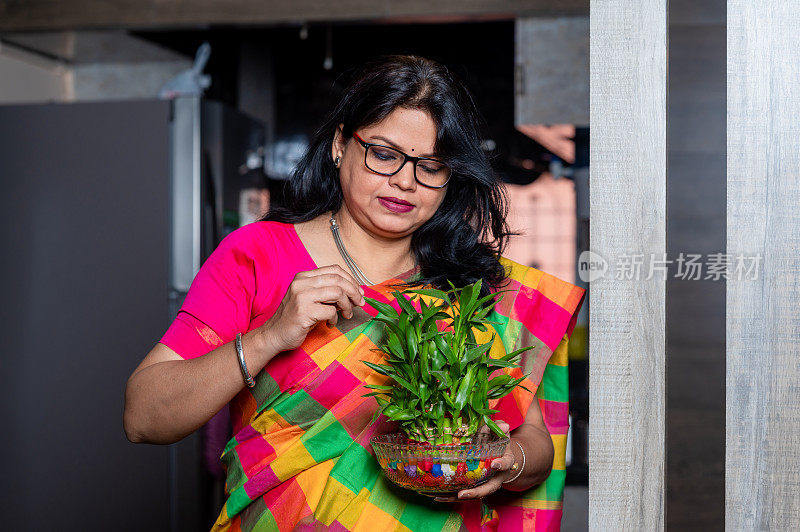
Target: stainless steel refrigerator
<point x="107" y="211"/>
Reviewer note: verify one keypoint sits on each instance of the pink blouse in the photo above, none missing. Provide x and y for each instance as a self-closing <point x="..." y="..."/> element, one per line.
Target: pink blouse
<point x="253" y="265"/>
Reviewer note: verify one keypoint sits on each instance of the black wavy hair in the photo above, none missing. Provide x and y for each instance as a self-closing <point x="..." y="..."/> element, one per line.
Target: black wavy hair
<point x="462" y="241"/>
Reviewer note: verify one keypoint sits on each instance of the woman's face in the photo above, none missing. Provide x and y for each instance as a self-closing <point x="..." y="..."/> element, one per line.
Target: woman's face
<point x="370" y="198"/>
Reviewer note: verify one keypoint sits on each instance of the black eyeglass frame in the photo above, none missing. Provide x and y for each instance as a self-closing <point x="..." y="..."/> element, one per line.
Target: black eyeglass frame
<point x="407" y="158"/>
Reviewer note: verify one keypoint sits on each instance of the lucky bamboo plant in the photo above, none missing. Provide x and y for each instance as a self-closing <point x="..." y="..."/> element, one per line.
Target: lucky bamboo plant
<point x="441" y="387"/>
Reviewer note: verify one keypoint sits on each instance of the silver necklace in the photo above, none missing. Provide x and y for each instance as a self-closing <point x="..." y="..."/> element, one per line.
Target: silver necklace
<point x="357" y="273"/>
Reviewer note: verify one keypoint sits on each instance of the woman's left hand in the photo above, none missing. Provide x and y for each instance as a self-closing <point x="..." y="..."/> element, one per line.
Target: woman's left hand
<point x="503" y="467"/>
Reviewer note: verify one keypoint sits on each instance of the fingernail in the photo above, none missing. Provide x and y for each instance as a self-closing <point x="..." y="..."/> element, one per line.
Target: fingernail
<point x="361" y="290"/>
<point x="463" y="495"/>
<point x="439" y="499"/>
<point x="495" y="464"/>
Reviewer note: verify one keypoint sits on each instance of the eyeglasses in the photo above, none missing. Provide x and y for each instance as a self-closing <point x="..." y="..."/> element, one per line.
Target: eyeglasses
<point x="385" y="160"/>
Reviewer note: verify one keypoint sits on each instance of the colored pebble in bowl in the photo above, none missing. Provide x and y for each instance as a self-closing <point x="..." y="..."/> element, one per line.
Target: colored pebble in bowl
<point x="436" y="470"/>
<point x="447" y="470"/>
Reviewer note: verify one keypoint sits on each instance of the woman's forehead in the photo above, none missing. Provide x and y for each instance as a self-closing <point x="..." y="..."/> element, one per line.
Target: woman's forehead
<point x="410" y="130"/>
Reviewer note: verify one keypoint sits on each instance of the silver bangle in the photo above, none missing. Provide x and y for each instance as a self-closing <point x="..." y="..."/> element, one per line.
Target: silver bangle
<point x="248" y="380"/>
<point x="522" y="468"/>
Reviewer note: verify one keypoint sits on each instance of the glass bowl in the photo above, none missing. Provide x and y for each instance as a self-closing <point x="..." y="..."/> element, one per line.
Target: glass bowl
<point x="440" y="470"/>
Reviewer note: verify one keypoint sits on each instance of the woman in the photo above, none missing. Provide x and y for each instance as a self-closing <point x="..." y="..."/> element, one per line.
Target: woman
<point x="394" y="190"/>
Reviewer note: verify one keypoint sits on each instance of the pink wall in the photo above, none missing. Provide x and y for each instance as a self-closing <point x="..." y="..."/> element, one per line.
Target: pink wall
<point x="544" y="212"/>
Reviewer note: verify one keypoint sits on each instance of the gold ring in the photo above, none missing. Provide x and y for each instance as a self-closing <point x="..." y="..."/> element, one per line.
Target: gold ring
<point x="515" y="466"/>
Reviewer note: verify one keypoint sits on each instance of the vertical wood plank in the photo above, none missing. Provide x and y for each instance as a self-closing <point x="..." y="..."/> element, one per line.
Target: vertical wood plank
<point x="763" y="314"/>
<point x="628" y="59"/>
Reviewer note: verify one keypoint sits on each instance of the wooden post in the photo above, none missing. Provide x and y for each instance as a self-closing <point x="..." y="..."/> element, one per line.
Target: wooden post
<point x="763" y="314"/>
<point x="628" y="59"/>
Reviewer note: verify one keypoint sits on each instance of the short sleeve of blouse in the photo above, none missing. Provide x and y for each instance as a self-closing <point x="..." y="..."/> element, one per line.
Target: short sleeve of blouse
<point x="220" y="299"/>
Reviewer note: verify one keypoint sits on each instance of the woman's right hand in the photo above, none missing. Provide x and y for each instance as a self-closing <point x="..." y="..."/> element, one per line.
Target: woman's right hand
<point x="312" y="296"/>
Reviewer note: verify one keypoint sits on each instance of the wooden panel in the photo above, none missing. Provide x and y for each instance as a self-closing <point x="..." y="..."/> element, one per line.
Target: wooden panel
<point x="628" y="62"/>
<point x="763" y="316"/>
<point x="26" y="15"/>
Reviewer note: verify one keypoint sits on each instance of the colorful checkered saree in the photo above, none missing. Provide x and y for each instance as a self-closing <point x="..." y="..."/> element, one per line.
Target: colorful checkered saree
<point x="300" y="457"/>
<point x="302" y="460"/>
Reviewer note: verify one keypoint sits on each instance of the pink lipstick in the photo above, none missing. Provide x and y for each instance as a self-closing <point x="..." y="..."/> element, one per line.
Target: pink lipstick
<point x="396" y="204"/>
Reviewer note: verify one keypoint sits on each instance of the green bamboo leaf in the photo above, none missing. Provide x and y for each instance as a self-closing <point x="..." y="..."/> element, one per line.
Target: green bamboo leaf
<point x="385" y="319"/>
<point x="500" y="380"/>
<point x="413" y="390"/>
<point x="444" y="348"/>
<point x="411" y="343"/>
<point x="396" y="348"/>
<point x="444" y="378"/>
<point x="432" y="292"/>
<point x="438" y="360"/>
<point x="464" y="388"/>
<point x="517" y="383"/>
<point x="474" y="420"/>
<point x="424" y="363"/>
<point x="497" y="363"/>
<point x="403" y="324"/>
<point x="514" y="354"/>
<point x="433" y="327"/>
<point x="379" y="387"/>
<point x="431" y="330"/>
<point x="402" y="415"/>
<point x="391" y="410"/>
<point x="493" y="427"/>
<point x="482" y="310"/>
<point x="433" y="317"/>
<point x="463" y="300"/>
<point x="474" y="352"/>
<point x="500" y="392"/>
<point x="389" y="371"/>
<point x="449" y="401"/>
<point x="424" y="393"/>
<point x="406" y="305"/>
<point x="474" y="291"/>
<point x="383" y="308"/>
<point x="478" y="401"/>
<point x="484" y="301"/>
<point x="391" y="325"/>
<point x="371" y="394"/>
<point x="483" y="383"/>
